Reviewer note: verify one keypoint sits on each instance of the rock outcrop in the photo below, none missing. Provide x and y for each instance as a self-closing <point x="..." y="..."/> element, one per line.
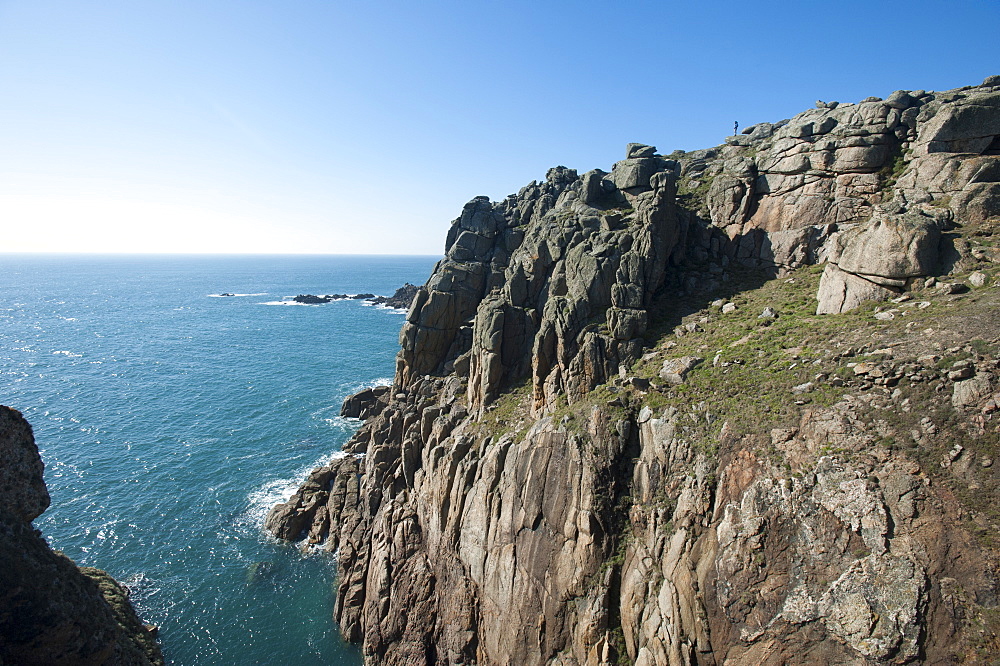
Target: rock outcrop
<point x="612" y="435"/>
<point x="402" y="299"/>
<point x="51" y="611"/>
<point x="366" y="403"/>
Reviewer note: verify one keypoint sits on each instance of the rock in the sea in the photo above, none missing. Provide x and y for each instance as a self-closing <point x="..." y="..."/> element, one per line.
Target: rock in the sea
<point x="401" y="300"/>
<point x="312" y="299"/>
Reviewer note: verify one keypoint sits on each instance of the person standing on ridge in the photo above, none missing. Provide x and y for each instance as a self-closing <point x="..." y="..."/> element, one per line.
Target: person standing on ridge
<point x="736" y="127"/>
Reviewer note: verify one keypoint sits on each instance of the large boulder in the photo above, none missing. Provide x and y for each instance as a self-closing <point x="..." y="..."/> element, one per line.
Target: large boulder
<point x="840" y="291"/>
<point x="889" y="248"/>
<point x="967" y="126"/>
<point x="635" y="173"/>
<point x="874" y="261"/>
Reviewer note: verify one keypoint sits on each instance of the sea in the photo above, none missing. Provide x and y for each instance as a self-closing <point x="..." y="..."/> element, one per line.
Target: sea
<point x="171" y="418"/>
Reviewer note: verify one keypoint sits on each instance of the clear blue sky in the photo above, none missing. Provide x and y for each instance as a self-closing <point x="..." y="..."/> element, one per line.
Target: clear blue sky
<point x="363" y="127"/>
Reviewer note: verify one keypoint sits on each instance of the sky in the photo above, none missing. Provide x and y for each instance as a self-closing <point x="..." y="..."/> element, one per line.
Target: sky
<point x="342" y="127"/>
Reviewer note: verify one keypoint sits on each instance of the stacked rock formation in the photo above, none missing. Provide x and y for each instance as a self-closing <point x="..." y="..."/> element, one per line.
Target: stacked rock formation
<point x="516" y="497"/>
<point x="51" y="611"/>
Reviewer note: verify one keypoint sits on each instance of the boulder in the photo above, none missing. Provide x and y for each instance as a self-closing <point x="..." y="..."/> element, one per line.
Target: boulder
<point x="971" y="393"/>
<point x="875" y="260"/>
<point x="635" y="172"/>
<point x="840" y="291"/>
<point x="889" y="248"/>
<point x="595" y="190"/>
<point x="968" y="126"/>
<point x="900" y="100"/>
<point x="634" y="150"/>
<point x="675" y="370"/>
<point x="366" y="403"/>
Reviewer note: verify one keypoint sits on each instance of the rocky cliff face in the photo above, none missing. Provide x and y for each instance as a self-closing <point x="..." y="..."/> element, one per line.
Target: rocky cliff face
<point x="622" y="430"/>
<point x="51" y="611"/>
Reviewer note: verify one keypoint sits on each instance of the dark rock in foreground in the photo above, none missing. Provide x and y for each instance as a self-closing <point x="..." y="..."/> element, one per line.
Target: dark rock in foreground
<point x="51" y="611"/>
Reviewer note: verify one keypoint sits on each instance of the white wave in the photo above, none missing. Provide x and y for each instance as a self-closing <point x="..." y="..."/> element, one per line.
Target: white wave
<point x="137" y="581"/>
<point x="280" y="490"/>
<point x="390" y="309"/>
<point x="143" y="592"/>
<point x="378" y="381"/>
<point x="308" y="305"/>
<point x="342" y="421"/>
<point x="68" y="354"/>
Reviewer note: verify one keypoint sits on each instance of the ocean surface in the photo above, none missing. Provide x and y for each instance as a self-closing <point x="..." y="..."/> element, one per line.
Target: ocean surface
<point x="171" y="419"/>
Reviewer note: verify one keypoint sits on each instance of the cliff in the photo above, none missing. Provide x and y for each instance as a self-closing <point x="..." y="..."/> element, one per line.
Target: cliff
<point x="51" y="611"/>
<point x="736" y="405"/>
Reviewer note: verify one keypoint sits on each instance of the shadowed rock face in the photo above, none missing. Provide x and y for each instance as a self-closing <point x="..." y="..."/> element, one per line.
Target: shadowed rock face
<point x="51" y="611"/>
<point x="522" y="499"/>
<point x="22" y="488"/>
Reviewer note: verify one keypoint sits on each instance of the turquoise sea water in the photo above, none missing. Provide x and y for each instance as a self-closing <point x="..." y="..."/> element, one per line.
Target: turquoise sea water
<point x="170" y="420"/>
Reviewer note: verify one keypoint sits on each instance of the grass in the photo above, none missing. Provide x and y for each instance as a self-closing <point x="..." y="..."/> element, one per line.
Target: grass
<point x="509" y="412"/>
<point x="894" y="168"/>
<point x="772" y="356"/>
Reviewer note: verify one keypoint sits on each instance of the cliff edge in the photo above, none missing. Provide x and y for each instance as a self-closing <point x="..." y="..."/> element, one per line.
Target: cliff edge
<point x="51" y="611"/>
<point x="737" y="405"/>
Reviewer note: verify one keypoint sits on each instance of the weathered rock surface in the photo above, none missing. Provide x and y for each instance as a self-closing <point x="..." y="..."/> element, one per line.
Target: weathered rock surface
<point x="519" y="474"/>
<point x="878" y="259"/>
<point x="51" y="611"/>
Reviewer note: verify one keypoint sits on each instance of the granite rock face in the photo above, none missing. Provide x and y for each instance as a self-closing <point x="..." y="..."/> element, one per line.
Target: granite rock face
<point x="520" y="496"/>
<point x="51" y="611"/>
<point x="878" y="259"/>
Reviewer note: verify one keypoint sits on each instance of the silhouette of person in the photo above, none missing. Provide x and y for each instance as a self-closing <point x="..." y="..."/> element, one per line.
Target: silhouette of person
<point x="736" y="127"/>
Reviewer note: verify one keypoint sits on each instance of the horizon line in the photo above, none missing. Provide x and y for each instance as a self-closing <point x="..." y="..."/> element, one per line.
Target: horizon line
<point x="208" y="254"/>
